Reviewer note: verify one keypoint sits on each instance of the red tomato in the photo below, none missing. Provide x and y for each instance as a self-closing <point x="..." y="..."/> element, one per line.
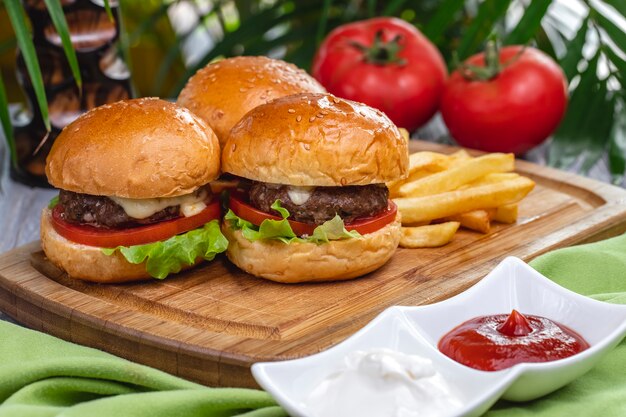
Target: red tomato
<point x="385" y="63"/>
<point x="111" y="238"/>
<point x="515" y="110"/>
<point x="362" y="225"/>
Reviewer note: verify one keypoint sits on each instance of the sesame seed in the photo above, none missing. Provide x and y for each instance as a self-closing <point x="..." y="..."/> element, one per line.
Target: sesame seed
<point x="319" y="115"/>
<point x="307" y="146"/>
<point x="232" y="148"/>
<point x="298" y="118"/>
<point x="292" y="111"/>
<point x="243" y="90"/>
<point x="324" y="112"/>
<point x="311" y="119"/>
<point x="336" y="100"/>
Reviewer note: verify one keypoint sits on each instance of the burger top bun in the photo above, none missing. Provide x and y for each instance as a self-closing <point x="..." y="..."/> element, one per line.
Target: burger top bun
<point x="222" y="92"/>
<point x="142" y="148"/>
<point x="316" y="140"/>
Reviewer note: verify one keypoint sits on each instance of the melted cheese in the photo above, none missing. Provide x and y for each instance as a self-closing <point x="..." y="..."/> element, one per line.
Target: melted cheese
<point x="299" y="195"/>
<point x="190" y="204"/>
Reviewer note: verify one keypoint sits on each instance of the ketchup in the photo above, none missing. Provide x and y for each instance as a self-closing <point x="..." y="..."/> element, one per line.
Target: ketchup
<point x="492" y="343"/>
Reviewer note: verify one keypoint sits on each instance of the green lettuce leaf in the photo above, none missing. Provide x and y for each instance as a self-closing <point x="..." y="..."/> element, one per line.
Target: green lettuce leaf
<point x="53" y="202"/>
<point x="169" y="256"/>
<point x="333" y="229"/>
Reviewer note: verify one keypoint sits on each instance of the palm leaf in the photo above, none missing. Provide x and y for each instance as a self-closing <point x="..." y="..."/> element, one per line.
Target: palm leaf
<point x="617" y="144"/>
<point x="251" y="32"/>
<point x="546" y="38"/>
<point x="619" y="63"/>
<point x="599" y="125"/>
<point x="529" y="24"/>
<point x="371" y="8"/>
<point x="611" y="29"/>
<point x="489" y="12"/>
<point x="618" y="5"/>
<point x="60" y="24"/>
<point x="442" y="19"/>
<point x="574" y="54"/>
<point x="107" y="8"/>
<point x="321" y="28"/>
<point x="392" y="7"/>
<point x="573" y="136"/>
<point x="16" y="14"/>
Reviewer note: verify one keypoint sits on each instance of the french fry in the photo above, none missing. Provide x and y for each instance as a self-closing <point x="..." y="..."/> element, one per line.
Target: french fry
<point x="418" y="209"/>
<point x="492" y="178"/>
<point x="430" y="236"/>
<point x="477" y="220"/>
<point x="421" y="164"/>
<point x="424" y="223"/>
<point x="431" y="161"/>
<point x="394" y="186"/>
<point x="506" y="214"/>
<point x="455" y="177"/>
<point x="459" y="157"/>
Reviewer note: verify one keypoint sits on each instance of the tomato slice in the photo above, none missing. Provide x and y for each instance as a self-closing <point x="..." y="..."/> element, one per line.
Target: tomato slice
<point x="111" y="238"/>
<point x="362" y="225"/>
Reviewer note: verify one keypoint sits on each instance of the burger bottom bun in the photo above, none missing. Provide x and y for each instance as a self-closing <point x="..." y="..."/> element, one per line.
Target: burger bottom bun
<point x="87" y="262"/>
<point x="310" y="262"/>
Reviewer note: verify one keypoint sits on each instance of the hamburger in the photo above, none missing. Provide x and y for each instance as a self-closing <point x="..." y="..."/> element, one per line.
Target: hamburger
<point x="313" y="205"/>
<point x="134" y="201"/>
<point x="222" y="92"/>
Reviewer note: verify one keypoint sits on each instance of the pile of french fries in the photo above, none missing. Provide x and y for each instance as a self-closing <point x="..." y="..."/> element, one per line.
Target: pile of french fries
<point x="445" y="192"/>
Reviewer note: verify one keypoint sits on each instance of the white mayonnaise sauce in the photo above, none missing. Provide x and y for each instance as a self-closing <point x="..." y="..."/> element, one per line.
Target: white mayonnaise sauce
<point x="299" y="195"/>
<point x="190" y="204"/>
<point x="383" y="383"/>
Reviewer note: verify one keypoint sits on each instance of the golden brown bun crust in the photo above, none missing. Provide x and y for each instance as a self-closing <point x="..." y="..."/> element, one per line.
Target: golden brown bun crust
<point x="87" y="262"/>
<point x="310" y="262"/>
<point x="222" y="92"/>
<point x="142" y="148"/>
<point x="316" y="139"/>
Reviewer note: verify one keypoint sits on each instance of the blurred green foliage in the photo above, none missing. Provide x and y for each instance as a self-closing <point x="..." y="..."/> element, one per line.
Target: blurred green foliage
<point x="167" y="41"/>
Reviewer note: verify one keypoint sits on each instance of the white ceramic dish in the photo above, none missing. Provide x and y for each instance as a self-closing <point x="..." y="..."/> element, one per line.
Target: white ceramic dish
<point x="417" y="330"/>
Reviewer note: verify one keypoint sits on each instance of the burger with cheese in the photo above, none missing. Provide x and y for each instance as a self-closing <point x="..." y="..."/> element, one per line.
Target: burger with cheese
<point x="313" y="205"/>
<point x="134" y="200"/>
<point x="223" y="91"/>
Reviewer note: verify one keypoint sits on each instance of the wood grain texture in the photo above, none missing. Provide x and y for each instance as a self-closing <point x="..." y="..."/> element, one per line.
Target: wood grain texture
<point x="210" y="324"/>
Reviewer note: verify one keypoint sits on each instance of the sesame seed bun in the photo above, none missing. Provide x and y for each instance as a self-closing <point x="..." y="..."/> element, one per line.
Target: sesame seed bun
<point x="309" y="262"/>
<point x="222" y="92"/>
<point x="142" y="148"/>
<point x="316" y="140"/>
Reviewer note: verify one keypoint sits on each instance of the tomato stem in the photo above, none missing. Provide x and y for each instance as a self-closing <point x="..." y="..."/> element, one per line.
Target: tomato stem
<point x="492" y="67"/>
<point x="381" y="52"/>
<point x="492" y="64"/>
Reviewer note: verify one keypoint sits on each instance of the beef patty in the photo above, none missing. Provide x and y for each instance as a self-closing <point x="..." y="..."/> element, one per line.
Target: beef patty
<point x="348" y="202"/>
<point x="101" y="211"/>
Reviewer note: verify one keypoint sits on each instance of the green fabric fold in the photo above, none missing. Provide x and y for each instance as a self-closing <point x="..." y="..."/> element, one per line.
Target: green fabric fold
<point x="42" y="376"/>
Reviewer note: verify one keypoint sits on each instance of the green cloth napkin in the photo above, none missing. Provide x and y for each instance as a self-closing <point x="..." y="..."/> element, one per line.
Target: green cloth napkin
<point x="597" y="270"/>
<point x="41" y="376"/>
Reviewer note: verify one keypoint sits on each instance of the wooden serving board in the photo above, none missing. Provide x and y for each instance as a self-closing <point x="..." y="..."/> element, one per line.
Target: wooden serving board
<point x="211" y="323"/>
